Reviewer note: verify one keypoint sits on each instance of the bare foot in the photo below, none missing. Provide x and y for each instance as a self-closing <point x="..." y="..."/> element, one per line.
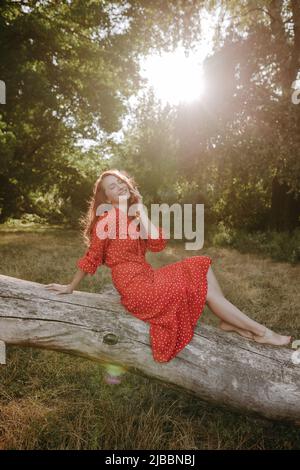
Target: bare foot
<point x="270" y="337"/>
<point x="228" y="327"/>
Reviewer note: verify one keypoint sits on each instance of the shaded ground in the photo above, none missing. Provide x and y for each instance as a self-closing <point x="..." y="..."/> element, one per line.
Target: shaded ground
<point x="51" y="400"/>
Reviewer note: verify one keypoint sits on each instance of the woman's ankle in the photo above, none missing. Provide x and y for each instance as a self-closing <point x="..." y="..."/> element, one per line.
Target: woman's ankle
<point x="261" y="331"/>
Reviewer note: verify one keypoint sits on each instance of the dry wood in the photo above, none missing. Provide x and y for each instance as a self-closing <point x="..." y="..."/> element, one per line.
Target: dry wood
<point x="218" y="367"/>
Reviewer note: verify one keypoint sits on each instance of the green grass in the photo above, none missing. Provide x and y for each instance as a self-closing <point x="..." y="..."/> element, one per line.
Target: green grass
<point x="51" y="400"/>
<point x="280" y="246"/>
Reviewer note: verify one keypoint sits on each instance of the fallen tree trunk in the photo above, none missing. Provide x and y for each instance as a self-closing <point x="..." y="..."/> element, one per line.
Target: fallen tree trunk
<point x="221" y="368"/>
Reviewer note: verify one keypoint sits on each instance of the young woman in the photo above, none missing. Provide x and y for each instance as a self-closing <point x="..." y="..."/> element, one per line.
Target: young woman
<point x="170" y="298"/>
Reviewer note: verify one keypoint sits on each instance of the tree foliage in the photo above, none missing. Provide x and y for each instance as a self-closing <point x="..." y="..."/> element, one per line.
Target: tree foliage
<point x="70" y="68"/>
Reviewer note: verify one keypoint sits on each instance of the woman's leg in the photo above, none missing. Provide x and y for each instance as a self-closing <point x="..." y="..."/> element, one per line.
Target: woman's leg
<point x="225" y="324"/>
<point x="225" y="310"/>
<point x="231" y="315"/>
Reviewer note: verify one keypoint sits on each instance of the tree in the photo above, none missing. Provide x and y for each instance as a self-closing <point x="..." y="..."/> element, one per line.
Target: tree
<point x="258" y="59"/>
<point x="69" y="67"/>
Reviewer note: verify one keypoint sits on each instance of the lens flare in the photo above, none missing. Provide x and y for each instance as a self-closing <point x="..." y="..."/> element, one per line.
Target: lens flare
<point x="113" y="374"/>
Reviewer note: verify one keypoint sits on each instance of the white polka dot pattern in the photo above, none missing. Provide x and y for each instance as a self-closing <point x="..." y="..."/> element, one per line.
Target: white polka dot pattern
<point x="170" y="298"/>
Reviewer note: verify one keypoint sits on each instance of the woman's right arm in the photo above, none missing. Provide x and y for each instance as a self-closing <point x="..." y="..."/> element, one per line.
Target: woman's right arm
<point x="67" y="289"/>
<point x="87" y="264"/>
<point x="77" y="278"/>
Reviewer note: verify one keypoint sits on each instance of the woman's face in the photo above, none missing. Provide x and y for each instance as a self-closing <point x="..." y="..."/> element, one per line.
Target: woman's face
<point x="114" y="188"/>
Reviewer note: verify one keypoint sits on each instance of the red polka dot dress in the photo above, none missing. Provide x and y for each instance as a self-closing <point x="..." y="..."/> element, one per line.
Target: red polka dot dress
<point x="170" y="298"/>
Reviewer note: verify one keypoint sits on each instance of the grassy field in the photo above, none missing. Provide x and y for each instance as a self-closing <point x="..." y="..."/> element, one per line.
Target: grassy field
<point x="51" y="400"/>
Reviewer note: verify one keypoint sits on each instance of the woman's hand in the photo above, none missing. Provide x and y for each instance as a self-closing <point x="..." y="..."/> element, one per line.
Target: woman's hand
<point x="60" y="288"/>
<point x="133" y="190"/>
<point x="137" y="194"/>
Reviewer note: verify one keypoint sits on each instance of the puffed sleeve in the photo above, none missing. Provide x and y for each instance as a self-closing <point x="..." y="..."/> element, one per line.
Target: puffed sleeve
<point x="94" y="256"/>
<point x="157" y="244"/>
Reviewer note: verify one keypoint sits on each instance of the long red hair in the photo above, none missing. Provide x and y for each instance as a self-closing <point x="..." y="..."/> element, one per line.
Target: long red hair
<point x="98" y="197"/>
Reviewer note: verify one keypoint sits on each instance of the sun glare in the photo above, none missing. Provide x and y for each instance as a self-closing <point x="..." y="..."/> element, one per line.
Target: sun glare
<point x="175" y="77"/>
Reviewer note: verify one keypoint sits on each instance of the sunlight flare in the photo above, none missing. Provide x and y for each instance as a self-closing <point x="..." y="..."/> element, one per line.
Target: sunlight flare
<point x="174" y="77"/>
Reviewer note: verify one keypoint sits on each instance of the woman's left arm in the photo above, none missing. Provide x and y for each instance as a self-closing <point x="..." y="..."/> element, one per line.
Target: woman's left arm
<point x="149" y="228"/>
<point x="155" y="236"/>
